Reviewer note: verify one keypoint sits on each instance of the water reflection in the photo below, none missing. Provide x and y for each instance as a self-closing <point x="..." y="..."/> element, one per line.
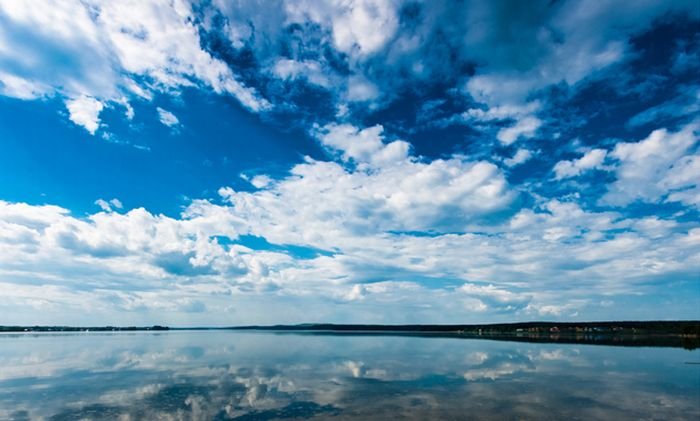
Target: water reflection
<point x="264" y="376"/>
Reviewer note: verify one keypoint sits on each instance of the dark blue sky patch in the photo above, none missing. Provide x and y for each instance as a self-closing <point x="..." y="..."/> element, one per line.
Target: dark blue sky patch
<point x="297" y="252"/>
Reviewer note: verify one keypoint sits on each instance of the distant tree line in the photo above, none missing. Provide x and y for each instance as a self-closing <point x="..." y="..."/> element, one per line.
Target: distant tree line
<point x="629" y="327"/>
<point x="79" y="329"/>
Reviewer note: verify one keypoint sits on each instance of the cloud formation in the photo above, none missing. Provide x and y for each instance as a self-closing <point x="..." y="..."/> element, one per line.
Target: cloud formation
<point x="393" y="230"/>
<point x="167" y="118"/>
<point x="664" y="166"/>
<point x="116" y="52"/>
<point x="592" y="159"/>
<point x="85" y="111"/>
<point x="356" y="51"/>
<point x="486" y="161"/>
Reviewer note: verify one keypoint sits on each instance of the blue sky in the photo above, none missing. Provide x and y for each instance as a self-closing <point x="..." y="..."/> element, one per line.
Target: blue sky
<point x="236" y="162"/>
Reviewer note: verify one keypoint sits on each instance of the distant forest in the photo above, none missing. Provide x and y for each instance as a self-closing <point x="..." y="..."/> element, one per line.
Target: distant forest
<point x="685" y="334"/>
<point x="629" y="327"/>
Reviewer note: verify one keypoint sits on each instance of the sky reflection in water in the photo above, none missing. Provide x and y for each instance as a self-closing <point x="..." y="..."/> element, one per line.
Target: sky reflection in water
<point x="265" y="376"/>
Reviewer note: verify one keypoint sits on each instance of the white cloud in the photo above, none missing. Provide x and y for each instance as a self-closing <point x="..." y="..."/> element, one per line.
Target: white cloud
<point x="364" y="25"/>
<point x="683" y="180"/>
<point x="561" y="43"/>
<point x="108" y="205"/>
<point x="543" y="262"/>
<point x="494" y="298"/>
<point x="662" y="167"/>
<point x="85" y="111"/>
<point x="260" y="181"/>
<point x="43" y="30"/>
<point x="386" y="190"/>
<point x="379" y="227"/>
<point x="103" y="204"/>
<point x="141" y="47"/>
<point x="525" y="127"/>
<point x="363" y="146"/>
<point x="167" y="118"/>
<point x="361" y="89"/>
<point x="128" y="111"/>
<point x="520" y="157"/>
<point x="17" y="87"/>
<point x="550" y="261"/>
<point x="357" y="29"/>
<point x="501" y="112"/>
<point x="445" y="194"/>
<point x="310" y="70"/>
<point x="355" y="293"/>
<point x="110" y="47"/>
<point x="159" y="40"/>
<point x="592" y="159"/>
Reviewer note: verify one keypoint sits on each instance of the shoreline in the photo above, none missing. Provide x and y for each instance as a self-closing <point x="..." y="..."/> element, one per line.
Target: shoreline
<point x="677" y="334"/>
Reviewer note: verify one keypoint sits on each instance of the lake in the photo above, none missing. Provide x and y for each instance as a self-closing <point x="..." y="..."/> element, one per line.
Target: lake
<point x="201" y="375"/>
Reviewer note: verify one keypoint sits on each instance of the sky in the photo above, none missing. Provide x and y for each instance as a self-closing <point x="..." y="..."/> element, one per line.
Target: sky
<point x="288" y="161"/>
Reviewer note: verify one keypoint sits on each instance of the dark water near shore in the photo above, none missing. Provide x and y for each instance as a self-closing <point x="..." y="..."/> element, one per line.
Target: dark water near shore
<point x="192" y="375"/>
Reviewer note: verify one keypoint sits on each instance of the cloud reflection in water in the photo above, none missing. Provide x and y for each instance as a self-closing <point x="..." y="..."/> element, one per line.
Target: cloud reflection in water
<point x="264" y="376"/>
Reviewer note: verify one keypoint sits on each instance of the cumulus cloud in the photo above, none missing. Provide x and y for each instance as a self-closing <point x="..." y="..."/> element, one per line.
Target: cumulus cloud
<point x="371" y="49"/>
<point x="521" y="156"/>
<point x="342" y="28"/>
<point x="375" y="224"/>
<point x="376" y="227"/>
<point x="445" y="194"/>
<point x="544" y="262"/>
<point x="17" y="87"/>
<point x="361" y="89"/>
<point x="592" y="159"/>
<point x="122" y="247"/>
<point x="310" y="70"/>
<point x="494" y="298"/>
<point x="662" y="167"/>
<point x="364" y="146"/>
<point x="260" y="181"/>
<point x="115" y="51"/>
<point x="387" y="190"/>
<point x="364" y="25"/>
<point x="374" y="49"/>
<point x="526" y="127"/>
<point x="85" y="111"/>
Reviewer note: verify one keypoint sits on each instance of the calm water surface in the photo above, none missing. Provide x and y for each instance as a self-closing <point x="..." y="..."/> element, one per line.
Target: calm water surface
<point x="193" y="375"/>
